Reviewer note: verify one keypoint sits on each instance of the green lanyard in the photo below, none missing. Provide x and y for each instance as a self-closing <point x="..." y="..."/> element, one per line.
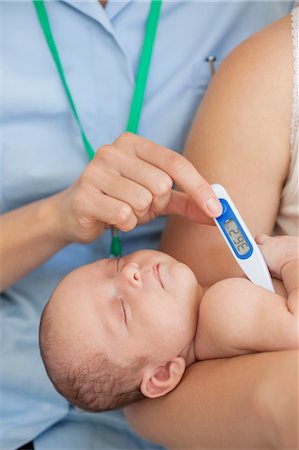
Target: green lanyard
<point x="140" y="85"/>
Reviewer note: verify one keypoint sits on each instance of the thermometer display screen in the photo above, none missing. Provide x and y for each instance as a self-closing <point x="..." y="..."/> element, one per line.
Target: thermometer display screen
<point x="237" y="238"/>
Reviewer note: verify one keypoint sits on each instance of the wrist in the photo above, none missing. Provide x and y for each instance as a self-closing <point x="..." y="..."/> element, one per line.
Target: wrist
<point x="50" y="213"/>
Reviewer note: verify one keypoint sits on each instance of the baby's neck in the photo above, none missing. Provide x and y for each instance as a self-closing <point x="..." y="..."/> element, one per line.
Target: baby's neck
<point x="188" y="353"/>
<point x="201" y="291"/>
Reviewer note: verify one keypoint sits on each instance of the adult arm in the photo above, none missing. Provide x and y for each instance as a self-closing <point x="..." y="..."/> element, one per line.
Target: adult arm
<point x="127" y="183"/>
<point x="249" y="401"/>
<point x="241" y="139"/>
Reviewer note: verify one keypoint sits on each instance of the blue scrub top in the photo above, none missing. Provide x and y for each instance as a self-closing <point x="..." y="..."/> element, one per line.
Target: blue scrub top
<point x="41" y="153"/>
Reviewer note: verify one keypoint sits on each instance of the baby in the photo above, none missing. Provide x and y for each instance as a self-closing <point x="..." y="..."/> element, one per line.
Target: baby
<point x="116" y="331"/>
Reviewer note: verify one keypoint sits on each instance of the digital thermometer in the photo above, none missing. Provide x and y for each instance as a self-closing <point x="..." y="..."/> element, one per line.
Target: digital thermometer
<point x="240" y="242"/>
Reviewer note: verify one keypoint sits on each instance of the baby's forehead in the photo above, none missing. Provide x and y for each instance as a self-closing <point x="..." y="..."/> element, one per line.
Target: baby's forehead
<point x="80" y="276"/>
<point x="77" y="295"/>
<point x="78" y="281"/>
<point x="91" y="272"/>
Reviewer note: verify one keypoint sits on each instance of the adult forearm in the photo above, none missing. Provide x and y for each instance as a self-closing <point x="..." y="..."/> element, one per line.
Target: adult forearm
<point x="244" y="402"/>
<point x="28" y="237"/>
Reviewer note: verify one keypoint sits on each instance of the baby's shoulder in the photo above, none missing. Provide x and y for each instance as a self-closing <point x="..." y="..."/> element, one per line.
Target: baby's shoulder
<point x="233" y="288"/>
<point x="232" y="295"/>
<point x="227" y="311"/>
<point x="229" y="287"/>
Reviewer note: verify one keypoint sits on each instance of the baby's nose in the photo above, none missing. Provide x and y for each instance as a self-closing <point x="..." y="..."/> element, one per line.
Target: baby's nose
<point x="131" y="273"/>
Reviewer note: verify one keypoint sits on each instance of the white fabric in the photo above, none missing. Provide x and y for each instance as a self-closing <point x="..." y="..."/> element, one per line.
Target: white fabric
<point x="288" y="216"/>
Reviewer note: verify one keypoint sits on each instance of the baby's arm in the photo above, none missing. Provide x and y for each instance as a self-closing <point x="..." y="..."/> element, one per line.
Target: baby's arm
<point x="239" y="317"/>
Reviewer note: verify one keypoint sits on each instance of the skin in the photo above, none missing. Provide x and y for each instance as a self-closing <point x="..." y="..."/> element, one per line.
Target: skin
<point x="238" y="414"/>
<point x="121" y="302"/>
<point x="240" y="138"/>
<point x="123" y="309"/>
<point x="238" y="317"/>
<point x="110" y="191"/>
<point x="33" y="233"/>
<point x="262" y="416"/>
<point x="244" y="124"/>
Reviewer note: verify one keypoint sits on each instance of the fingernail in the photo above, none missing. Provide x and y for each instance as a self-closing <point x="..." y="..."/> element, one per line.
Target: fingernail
<point x="214" y="206"/>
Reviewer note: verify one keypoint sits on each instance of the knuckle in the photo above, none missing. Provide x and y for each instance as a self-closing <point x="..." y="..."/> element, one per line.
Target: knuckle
<point x="106" y="153"/>
<point x="163" y="186"/>
<point x="123" y="215"/>
<point x="88" y="174"/>
<point x="199" y="188"/>
<point x="129" y="226"/>
<point x="92" y="174"/>
<point x="143" y="201"/>
<point x="178" y="162"/>
<point x="158" y="205"/>
<point x="126" y="135"/>
<point x="125" y="138"/>
<point x="127" y="142"/>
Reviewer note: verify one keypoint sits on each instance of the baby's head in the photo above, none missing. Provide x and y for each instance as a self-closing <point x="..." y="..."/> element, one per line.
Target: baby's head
<point x="116" y="331"/>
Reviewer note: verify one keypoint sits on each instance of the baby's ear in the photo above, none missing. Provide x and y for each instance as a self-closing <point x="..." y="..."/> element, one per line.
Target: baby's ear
<point x="157" y="381"/>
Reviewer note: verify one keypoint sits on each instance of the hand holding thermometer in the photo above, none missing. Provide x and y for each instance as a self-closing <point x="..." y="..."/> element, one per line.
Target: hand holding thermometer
<point x="240" y="242"/>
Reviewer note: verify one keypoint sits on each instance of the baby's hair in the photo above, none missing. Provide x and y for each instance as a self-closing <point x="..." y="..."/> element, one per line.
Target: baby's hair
<point x="94" y="383"/>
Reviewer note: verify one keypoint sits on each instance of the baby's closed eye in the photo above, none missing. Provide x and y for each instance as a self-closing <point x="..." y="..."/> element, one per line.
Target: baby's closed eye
<point x="123" y="307"/>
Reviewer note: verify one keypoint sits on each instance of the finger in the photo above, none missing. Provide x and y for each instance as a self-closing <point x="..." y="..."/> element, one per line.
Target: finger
<point x="136" y="196"/>
<point x="160" y="202"/>
<point x="261" y="239"/>
<point x="151" y="177"/>
<point x="123" y="161"/>
<point x="107" y="179"/>
<point x="112" y="212"/>
<point x="181" y="204"/>
<point x="180" y="170"/>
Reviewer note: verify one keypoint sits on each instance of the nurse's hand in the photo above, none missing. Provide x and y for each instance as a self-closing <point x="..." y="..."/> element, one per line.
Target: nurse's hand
<point x="131" y="182"/>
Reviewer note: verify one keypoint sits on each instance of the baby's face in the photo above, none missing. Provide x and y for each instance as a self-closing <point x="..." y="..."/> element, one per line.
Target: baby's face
<point x="144" y="304"/>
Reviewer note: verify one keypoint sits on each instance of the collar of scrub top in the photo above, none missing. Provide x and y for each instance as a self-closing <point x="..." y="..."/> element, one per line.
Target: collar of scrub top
<point x="139" y="90"/>
<point x="102" y="15"/>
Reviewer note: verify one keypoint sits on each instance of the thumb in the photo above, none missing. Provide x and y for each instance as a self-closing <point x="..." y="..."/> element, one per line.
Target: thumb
<point x="182" y="205"/>
<point x="262" y="238"/>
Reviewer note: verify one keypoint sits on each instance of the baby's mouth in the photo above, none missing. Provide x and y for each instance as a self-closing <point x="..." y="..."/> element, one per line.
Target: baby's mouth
<point x="156" y="273"/>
